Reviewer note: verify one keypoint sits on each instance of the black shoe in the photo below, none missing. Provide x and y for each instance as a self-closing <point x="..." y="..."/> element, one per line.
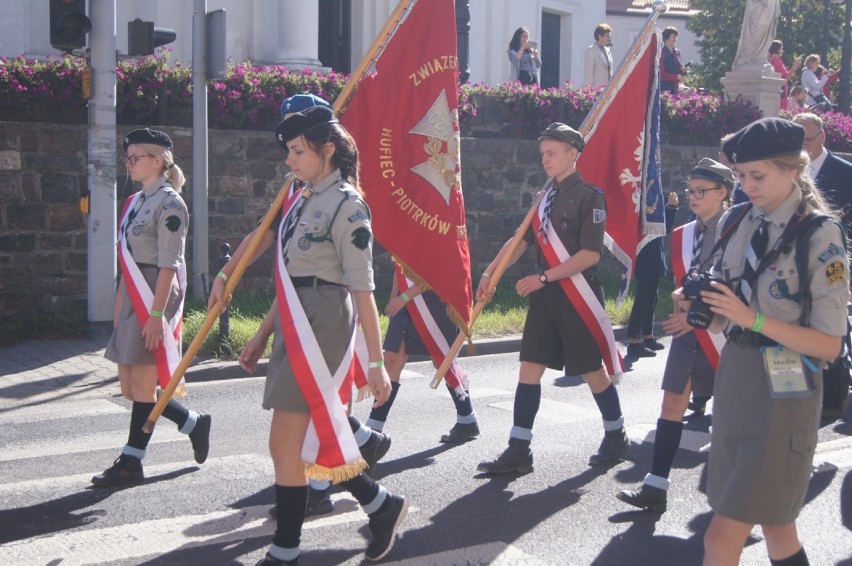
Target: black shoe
<point x="517" y="458"/>
<point x="200" y="438"/>
<point x="383" y="526"/>
<point x="270" y="560"/>
<point x="460" y="433"/>
<point x="375" y="450"/>
<point x="646" y="497"/>
<point x="319" y="503"/>
<point x="613" y="445"/>
<point x="126" y="470"/>
<point x="639" y="351"/>
<point x="653" y="344"/>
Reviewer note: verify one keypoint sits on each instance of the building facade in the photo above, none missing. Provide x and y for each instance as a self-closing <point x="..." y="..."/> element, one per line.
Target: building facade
<point x="331" y="33"/>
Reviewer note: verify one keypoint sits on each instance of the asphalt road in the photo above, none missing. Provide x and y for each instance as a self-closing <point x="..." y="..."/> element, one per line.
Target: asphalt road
<point x="563" y="513"/>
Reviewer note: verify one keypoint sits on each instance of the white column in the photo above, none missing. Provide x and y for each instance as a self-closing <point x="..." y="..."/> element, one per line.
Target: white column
<point x="286" y="33"/>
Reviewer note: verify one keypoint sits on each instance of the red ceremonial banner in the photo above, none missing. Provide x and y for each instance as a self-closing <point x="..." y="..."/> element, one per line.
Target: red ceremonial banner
<point x="404" y="117"/>
<point x="621" y="158"/>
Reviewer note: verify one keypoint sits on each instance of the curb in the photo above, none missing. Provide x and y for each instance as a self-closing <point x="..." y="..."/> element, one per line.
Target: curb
<point x="215" y="370"/>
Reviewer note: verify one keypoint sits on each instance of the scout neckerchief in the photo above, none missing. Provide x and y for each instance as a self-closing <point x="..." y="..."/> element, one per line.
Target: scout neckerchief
<point x="579" y="293"/>
<point x="682" y="239"/>
<point x="168" y="354"/>
<point x="330" y="451"/>
<point x="431" y="336"/>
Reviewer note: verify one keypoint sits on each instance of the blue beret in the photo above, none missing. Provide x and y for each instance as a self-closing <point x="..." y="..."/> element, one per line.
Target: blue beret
<point x="713" y="171"/>
<point x="147" y="135"/>
<point x="764" y="139"/>
<point x="301" y="102"/>
<point x="300" y="122"/>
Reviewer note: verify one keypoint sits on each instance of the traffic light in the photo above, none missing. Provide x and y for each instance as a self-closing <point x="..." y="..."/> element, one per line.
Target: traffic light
<point x="143" y="37"/>
<point x="68" y="24"/>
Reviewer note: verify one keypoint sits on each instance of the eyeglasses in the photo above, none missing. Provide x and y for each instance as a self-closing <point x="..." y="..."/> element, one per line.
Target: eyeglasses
<point x="813" y="138"/>
<point x="698" y="194"/>
<point x="134" y="159"/>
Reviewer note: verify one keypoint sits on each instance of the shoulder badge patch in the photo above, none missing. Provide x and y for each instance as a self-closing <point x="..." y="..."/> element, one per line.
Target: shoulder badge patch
<point x="358" y="216"/>
<point x="835" y="271"/>
<point x="173" y="223"/>
<point x="831" y="251"/>
<point x="598" y="215"/>
<point x="361" y="238"/>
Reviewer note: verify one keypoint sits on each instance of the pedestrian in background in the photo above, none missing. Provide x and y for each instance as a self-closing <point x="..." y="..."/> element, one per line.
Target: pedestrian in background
<point x="597" y="60"/>
<point x="524" y="60"/>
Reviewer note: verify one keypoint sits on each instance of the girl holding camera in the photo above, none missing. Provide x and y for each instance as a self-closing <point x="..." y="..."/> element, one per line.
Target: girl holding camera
<point x="523" y="58"/>
<point x="694" y="353"/>
<point x="768" y="386"/>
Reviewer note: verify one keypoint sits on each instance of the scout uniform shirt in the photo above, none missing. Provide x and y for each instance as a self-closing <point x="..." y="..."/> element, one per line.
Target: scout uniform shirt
<point x="578" y="216"/>
<point x="333" y="239"/>
<point x="776" y="292"/>
<point x="157" y="227"/>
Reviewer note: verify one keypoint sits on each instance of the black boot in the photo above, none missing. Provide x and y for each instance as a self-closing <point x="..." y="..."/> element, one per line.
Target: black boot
<point x="646" y="497"/>
<point x="614" y="444"/>
<point x="125" y="471"/>
<point x="517" y="458"/>
<point x="200" y="438"/>
<point x="461" y="433"/>
<point x="384" y="524"/>
<point x="374" y="450"/>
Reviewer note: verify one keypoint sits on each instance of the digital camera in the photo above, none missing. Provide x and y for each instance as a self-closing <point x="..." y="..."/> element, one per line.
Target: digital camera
<point x="699" y="315"/>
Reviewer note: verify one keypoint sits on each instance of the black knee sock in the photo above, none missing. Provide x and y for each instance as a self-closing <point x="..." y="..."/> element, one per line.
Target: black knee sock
<point x="527" y="402"/>
<point x="362" y="487"/>
<point x="137" y="438"/>
<point x="463" y="406"/>
<point x="381" y="413"/>
<point x="666" y="443"/>
<point x="354" y="423"/>
<point x="608" y="403"/>
<point x="798" y="559"/>
<point x="176" y="413"/>
<point x="290" y="502"/>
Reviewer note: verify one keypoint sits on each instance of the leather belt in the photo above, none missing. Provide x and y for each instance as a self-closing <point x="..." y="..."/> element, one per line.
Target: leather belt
<point x="310" y="281"/>
<point x="746" y="338"/>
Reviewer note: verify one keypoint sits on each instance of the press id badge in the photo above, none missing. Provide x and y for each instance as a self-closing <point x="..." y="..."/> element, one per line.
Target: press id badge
<point x="786" y="373"/>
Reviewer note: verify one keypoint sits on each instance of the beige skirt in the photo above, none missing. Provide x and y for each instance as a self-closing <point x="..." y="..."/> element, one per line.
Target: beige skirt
<point x="330" y="313"/>
<point x="126" y="345"/>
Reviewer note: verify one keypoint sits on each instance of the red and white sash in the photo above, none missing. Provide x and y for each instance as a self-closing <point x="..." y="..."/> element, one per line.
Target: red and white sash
<point x="682" y="240"/>
<point x="168" y="353"/>
<point x="578" y="291"/>
<point x="329" y="451"/>
<point x="431" y="336"/>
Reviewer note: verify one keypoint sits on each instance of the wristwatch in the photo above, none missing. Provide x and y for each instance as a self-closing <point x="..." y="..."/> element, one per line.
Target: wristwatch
<point x="543" y="277"/>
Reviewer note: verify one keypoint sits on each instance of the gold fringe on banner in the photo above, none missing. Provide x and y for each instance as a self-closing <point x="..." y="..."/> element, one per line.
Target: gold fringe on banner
<point x="335" y="475"/>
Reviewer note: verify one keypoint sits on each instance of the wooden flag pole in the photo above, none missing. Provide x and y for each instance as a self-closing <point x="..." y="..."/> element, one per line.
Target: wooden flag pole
<point x="514" y="243"/>
<point x="242" y="265"/>
<point x="600" y="106"/>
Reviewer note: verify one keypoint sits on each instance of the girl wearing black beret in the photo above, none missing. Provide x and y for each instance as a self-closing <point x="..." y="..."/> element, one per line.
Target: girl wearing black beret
<point x="784" y="315"/>
<point x="148" y="307"/>
<point x="323" y="276"/>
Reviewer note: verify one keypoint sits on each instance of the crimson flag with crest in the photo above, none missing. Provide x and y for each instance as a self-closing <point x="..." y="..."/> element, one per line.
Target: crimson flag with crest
<point x="622" y="156"/>
<point x="404" y="118"/>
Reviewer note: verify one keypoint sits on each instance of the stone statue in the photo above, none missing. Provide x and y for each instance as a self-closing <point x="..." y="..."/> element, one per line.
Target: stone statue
<point x="761" y="17"/>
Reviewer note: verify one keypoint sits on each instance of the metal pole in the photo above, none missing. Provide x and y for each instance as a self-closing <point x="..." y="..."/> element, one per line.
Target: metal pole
<point x="225" y="317"/>
<point x="101" y="173"/>
<point x="200" y="261"/>
<point x="826" y="30"/>
<point x="463" y="39"/>
<point x="846" y="58"/>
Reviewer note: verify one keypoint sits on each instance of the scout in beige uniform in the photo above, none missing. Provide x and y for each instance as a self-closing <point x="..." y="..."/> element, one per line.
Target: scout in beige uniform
<point x="326" y="245"/>
<point x="688" y="367"/>
<point x="769" y="381"/>
<point x="152" y="238"/>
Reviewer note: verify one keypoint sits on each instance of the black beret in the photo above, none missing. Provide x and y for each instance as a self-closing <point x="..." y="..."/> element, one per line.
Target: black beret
<point x="300" y="122"/>
<point x="147" y="135"/>
<point x="764" y="139"/>
<point x="562" y="132"/>
<point x="713" y="171"/>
